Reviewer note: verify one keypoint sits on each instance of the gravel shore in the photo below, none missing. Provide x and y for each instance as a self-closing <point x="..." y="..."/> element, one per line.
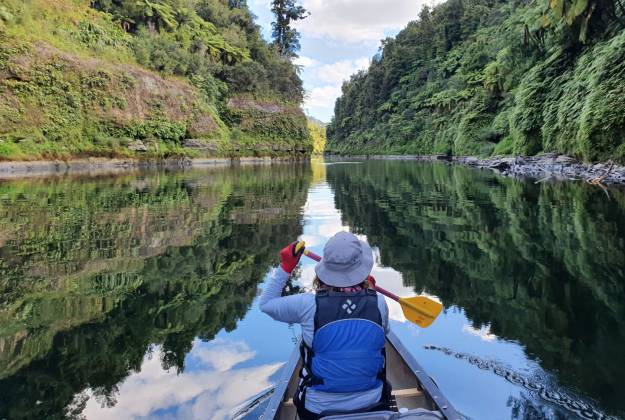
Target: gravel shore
<point x="546" y="167"/>
<point x="100" y="166"/>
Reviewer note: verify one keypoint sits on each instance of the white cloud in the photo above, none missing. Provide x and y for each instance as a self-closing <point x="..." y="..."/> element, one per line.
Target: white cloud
<point x="336" y="73"/>
<point x="308" y="276"/>
<point x="305" y="61"/>
<point x="322" y="97"/>
<point x="357" y="20"/>
<point x="392" y="281"/>
<point x="339" y="29"/>
<point x="332" y="76"/>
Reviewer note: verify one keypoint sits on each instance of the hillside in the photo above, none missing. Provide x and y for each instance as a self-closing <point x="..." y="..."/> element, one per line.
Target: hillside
<point x="317" y="131"/>
<point x="481" y="77"/>
<point x="143" y="79"/>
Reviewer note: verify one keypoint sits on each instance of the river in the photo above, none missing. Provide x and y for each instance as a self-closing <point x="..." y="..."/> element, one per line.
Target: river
<point x="135" y="296"/>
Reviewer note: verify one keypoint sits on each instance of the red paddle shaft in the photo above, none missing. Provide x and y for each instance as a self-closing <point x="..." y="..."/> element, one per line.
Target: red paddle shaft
<point x="393" y="296"/>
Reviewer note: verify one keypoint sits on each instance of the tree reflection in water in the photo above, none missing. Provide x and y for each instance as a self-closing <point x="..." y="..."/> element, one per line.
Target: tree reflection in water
<point x="98" y="275"/>
<point x="539" y="264"/>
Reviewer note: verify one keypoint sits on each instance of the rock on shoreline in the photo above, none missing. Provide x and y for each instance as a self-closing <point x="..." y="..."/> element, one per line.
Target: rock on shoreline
<point x="545" y="167"/>
<point x="549" y="166"/>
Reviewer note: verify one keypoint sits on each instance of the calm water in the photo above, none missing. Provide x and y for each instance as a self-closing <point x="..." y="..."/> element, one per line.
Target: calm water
<point x="135" y="296"/>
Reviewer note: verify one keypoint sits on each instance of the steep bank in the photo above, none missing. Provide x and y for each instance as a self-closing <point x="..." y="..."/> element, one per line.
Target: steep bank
<point x="476" y="77"/>
<point x="85" y="84"/>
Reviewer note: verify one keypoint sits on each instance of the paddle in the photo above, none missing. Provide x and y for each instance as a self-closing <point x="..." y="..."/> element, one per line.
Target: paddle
<point x="420" y="310"/>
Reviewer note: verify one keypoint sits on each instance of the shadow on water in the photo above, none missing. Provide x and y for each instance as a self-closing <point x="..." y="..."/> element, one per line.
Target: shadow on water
<point x="97" y="273"/>
<point x="542" y="265"/>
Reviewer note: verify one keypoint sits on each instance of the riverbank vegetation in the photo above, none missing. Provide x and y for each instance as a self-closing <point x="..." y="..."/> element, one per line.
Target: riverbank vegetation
<point x="478" y="77"/>
<point x="317" y="131"/>
<point x="143" y="78"/>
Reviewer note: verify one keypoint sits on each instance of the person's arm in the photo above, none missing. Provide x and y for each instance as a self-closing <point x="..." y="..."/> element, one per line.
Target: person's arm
<point x="285" y="309"/>
<point x="291" y="309"/>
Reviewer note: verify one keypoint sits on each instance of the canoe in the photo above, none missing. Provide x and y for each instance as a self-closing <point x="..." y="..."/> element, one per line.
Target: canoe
<point x="412" y="387"/>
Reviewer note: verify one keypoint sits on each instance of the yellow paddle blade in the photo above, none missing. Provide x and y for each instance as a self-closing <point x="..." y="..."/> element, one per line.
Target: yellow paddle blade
<point x="420" y="310"/>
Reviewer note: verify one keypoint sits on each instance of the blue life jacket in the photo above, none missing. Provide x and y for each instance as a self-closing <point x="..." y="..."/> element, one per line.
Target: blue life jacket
<point x="347" y="353"/>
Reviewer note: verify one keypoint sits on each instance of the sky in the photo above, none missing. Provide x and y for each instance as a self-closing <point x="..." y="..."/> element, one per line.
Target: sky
<point x="338" y="39"/>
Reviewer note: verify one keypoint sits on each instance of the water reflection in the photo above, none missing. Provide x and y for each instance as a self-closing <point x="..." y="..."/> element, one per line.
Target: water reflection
<point x="102" y="272"/>
<point x="213" y="384"/>
<point x="134" y="296"/>
<point x="542" y="265"/>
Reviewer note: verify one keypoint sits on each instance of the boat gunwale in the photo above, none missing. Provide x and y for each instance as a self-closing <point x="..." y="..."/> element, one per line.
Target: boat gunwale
<point x="425" y="381"/>
<point x="280" y="389"/>
<point x="430" y="388"/>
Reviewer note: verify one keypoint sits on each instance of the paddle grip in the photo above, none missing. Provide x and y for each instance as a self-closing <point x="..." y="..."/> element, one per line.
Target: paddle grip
<point x="378" y="289"/>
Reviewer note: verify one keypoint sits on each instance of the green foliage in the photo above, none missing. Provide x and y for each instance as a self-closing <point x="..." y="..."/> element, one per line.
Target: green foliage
<point x="280" y="125"/>
<point x="286" y="38"/>
<point x="157" y="128"/>
<point x="55" y="104"/>
<point x="318" y="135"/>
<point x="5" y="15"/>
<point x="156" y="14"/>
<point x="585" y="18"/>
<point x="57" y="109"/>
<point x="95" y="36"/>
<point x="482" y="77"/>
<point x="201" y="39"/>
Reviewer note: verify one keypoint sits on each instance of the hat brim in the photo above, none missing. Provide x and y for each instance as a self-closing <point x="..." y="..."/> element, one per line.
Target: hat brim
<point x="347" y="278"/>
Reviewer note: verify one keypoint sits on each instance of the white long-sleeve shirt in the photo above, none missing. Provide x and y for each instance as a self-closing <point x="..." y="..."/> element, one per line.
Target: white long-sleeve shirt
<point x="300" y="309"/>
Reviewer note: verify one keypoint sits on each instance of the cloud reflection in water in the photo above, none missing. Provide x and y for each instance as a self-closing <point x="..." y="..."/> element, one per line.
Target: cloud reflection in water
<point x="212" y="387"/>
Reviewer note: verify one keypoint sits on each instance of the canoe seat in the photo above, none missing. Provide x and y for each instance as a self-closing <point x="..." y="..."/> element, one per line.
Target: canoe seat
<point x="408" y="392"/>
<point x="417" y="414"/>
<point x="404" y="393"/>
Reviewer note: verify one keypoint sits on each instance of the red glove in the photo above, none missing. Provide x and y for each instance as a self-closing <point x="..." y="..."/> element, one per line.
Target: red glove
<point x="372" y="281"/>
<point x="289" y="257"/>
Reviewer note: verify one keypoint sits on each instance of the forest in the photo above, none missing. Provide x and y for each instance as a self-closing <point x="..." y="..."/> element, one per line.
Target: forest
<point x="490" y="77"/>
<point x="149" y="78"/>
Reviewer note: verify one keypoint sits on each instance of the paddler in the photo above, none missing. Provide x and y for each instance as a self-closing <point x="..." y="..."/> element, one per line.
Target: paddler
<point x="344" y="325"/>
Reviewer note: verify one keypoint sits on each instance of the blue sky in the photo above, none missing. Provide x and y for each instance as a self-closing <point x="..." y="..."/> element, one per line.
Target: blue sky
<point x="338" y="39"/>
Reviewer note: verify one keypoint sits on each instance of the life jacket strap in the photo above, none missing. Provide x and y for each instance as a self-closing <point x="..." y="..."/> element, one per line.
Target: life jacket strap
<point x="308" y="378"/>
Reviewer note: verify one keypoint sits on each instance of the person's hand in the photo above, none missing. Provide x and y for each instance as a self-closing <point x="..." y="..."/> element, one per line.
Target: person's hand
<point x="371" y="280"/>
<point x="290" y="257"/>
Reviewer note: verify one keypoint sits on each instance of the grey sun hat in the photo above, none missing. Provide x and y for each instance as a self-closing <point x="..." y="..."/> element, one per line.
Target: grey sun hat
<point x="346" y="261"/>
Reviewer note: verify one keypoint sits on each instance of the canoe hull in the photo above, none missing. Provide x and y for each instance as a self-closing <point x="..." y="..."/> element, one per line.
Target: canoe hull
<point x="412" y="387"/>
